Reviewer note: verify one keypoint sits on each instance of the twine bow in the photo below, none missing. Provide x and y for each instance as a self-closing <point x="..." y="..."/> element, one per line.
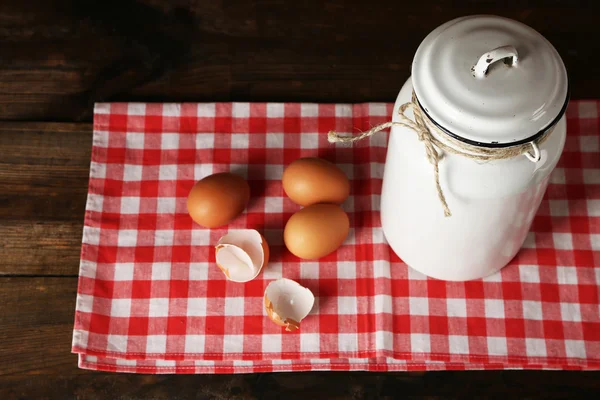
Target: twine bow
<point x="431" y="143"/>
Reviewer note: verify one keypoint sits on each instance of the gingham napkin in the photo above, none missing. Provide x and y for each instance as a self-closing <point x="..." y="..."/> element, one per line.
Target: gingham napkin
<point x="151" y="299"/>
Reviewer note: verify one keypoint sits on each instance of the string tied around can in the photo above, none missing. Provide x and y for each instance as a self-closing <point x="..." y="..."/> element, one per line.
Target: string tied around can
<point x="449" y="145"/>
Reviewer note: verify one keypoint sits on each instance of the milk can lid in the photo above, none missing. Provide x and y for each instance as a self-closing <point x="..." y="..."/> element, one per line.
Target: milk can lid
<point x="490" y="81"/>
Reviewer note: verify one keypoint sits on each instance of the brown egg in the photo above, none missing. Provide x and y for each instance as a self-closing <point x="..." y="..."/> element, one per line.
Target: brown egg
<point x="309" y="181"/>
<point x="316" y="231"/>
<point x="217" y="199"/>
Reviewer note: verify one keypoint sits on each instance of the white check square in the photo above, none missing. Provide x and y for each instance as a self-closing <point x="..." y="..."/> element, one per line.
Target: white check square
<point x="275" y="110"/>
<point x="273" y="172"/>
<point x="383" y="304"/>
<point x="343" y="110"/>
<point x="271" y="343"/>
<point x="97" y="170"/>
<point x="346" y="270"/>
<point x="566" y="275"/>
<point x="156" y="344"/>
<point x="161" y="271"/>
<point x="234" y="306"/>
<point x="159" y="307"/>
<point x="347" y="305"/>
<point x="413" y="274"/>
<point x="205" y="141"/>
<point x="309" y="140"/>
<point x="494" y="308"/>
<point x="169" y="141"/>
<point x="91" y="235"/>
<point x="206" y="110"/>
<point x="134" y="140"/>
<point x="120" y="308"/>
<point x="165" y="363"/>
<point x="240" y="141"/>
<point x="124" y="272"/>
<point x="163" y="237"/>
<point x="200" y="237"/>
<point x="575" y="348"/>
<point x="347" y="342"/>
<point x="101" y="108"/>
<point x="274" y="141"/>
<point x="384" y="339"/>
<point x="570" y="312"/>
<point x="535" y="347"/>
<point x="591" y="176"/>
<point x="497" y="346"/>
<point x="240" y="110"/>
<point x="130" y="205"/>
<point x="274" y="270"/>
<point x="532" y="310"/>
<point x="378" y="109"/>
<point x="458" y="344"/>
<point x="418" y="305"/>
<point x="593" y="207"/>
<point x="309" y="110"/>
<point x="94" y="202"/>
<point x="588" y="109"/>
<point x="309" y="270"/>
<point x="563" y="241"/>
<point x="127" y="238"/>
<point x="196" y="306"/>
<point x="589" y="144"/>
<point x="595" y="241"/>
<point x="167" y="172"/>
<point x="117" y="343"/>
<point x="456" y="307"/>
<point x="420" y="343"/>
<point x="558" y="176"/>
<point x="529" y="273"/>
<point x="166" y="205"/>
<point x="233" y="343"/>
<point x="125" y="363"/>
<point x="274" y="204"/>
<point x="136" y="109"/>
<point x="198" y="271"/>
<point x="85" y="303"/>
<point x="132" y="173"/>
<point x="381" y="269"/>
<point x="310" y="342"/>
<point x="194" y="344"/>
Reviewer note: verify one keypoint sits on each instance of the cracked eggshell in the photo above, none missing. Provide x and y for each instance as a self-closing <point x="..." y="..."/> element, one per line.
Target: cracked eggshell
<point x="241" y="254"/>
<point x="287" y="303"/>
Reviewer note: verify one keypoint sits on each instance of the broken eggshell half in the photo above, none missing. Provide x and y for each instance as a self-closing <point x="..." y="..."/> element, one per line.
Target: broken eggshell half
<point x="287" y="303"/>
<point x="241" y="254"/>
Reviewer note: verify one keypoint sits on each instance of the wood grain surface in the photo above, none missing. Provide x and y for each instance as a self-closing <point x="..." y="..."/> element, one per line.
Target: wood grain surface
<point x="59" y="57"/>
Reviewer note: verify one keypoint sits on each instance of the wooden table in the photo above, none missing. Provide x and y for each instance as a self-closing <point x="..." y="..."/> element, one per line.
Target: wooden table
<point x="59" y="57"/>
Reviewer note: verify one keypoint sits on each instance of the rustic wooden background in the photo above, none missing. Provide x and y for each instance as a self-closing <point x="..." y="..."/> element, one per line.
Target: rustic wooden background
<point x="59" y="57"/>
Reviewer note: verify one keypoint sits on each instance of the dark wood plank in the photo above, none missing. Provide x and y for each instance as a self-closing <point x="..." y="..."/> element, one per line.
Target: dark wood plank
<point x="59" y="57"/>
<point x="44" y="172"/>
<point x="36" y="320"/>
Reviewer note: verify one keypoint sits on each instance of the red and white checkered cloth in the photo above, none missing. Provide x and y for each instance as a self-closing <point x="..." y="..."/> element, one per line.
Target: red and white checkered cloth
<point x="151" y="299"/>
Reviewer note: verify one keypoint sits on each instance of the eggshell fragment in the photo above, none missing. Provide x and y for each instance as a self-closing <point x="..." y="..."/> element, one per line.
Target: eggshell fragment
<point x="287" y="303"/>
<point x="316" y="231"/>
<point x="241" y="254"/>
<point x="309" y="181"/>
<point x="217" y="199"/>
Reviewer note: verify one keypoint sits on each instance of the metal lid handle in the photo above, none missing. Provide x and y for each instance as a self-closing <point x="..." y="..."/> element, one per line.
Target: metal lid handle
<point x="508" y="53"/>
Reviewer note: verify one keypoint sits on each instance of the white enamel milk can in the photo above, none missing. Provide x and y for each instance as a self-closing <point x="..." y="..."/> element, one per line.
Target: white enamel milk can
<point x="490" y="94"/>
